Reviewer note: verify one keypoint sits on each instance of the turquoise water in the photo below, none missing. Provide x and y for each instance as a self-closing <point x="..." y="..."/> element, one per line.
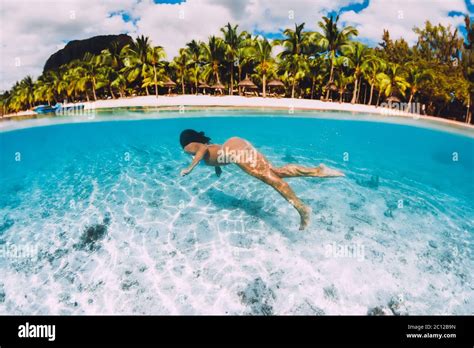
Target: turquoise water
<point x="113" y="229"/>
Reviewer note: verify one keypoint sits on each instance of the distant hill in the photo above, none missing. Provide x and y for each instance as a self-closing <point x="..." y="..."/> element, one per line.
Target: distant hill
<point x="77" y="48"/>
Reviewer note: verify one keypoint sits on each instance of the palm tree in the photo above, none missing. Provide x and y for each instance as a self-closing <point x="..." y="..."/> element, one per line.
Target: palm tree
<point x="194" y="53"/>
<point x="120" y="83"/>
<point x="135" y="59"/>
<point x="262" y="55"/>
<point x="341" y="81"/>
<point x="294" y="55"/>
<point x="25" y="92"/>
<point x="154" y="57"/>
<point x="371" y="68"/>
<point x="12" y="100"/>
<point x="213" y="55"/>
<point x="44" y="88"/>
<point x="415" y="77"/>
<point x="75" y="76"/>
<point x="392" y="81"/>
<point x="180" y="63"/>
<point x="112" y="55"/>
<point x="4" y="102"/>
<point x="296" y="41"/>
<point x="333" y="40"/>
<point x="294" y="69"/>
<point x="317" y="71"/>
<point x="356" y="54"/>
<point x="245" y="58"/>
<point x="110" y="64"/>
<point x="91" y="73"/>
<point x="233" y="41"/>
<point x="56" y="79"/>
<point x="342" y="78"/>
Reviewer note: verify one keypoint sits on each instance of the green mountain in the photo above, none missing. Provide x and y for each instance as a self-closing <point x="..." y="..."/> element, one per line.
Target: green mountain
<point x="77" y="48"/>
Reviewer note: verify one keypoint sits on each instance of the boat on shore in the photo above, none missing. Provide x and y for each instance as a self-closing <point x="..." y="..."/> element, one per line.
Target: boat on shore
<point x="46" y="109"/>
<point x="58" y="108"/>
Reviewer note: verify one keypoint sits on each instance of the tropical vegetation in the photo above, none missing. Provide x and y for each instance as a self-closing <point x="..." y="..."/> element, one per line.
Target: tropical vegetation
<point x="327" y="64"/>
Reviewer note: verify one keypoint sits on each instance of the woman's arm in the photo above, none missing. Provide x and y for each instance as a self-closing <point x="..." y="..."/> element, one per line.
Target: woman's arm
<point x="200" y="153"/>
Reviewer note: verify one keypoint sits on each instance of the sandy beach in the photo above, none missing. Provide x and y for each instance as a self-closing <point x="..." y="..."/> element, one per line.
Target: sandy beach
<point x="244" y="102"/>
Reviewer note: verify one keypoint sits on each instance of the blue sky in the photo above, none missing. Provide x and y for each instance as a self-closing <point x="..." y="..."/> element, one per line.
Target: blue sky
<point x="173" y="23"/>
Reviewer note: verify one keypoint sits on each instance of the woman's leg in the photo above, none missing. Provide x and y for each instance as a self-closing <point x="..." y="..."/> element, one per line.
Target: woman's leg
<point x="282" y="187"/>
<point x="294" y="170"/>
<point x="256" y="165"/>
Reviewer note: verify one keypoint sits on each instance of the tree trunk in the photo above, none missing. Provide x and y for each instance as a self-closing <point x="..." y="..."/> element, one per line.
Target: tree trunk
<point x="359" y="90"/>
<point x="155" y="80"/>
<point x="240" y="79"/>
<point x="409" y="101"/>
<point x="440" y="109"/>
<point x="354" y="95"/>
<point x="365" y="94"/>
<point x="231" y="87"/>
<point x="468" y="113"/>
<point x="378" y="99"/>
<point x="182" y="85"/>
<point x="218" y="80"/>
<point x="341" y="94"/>
<point x="196" y="82"/>
<point x="312" y="87"/>
<point x="371" y="94"/>
<point x="264" y="85"/>
<point x="147" y="91"/>
<point x="330" y="78"/>
<point x="112" y="92"/>
<point x="93" y="90"/>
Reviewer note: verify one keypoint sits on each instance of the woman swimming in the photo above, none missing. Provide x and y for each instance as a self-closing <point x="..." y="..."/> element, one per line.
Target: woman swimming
<point x="241" y="152"/>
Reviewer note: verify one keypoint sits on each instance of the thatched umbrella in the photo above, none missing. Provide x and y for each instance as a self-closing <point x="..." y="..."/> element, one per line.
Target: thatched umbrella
<point x="247" y="83"/>
<point x="275" y="83"/>
<point x="218" y="87"/>
<point x="203" y="85"/>
<point x="393" y="99"/>
<point x="170" y="84"/>
<point x="332" y="86"/>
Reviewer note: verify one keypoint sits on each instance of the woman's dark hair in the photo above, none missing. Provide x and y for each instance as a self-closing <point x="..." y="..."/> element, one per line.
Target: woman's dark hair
<point x="191" y="136"/>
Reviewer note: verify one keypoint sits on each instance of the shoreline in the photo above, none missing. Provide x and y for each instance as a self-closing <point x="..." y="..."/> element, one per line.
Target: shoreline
<point x="198" y="101"/>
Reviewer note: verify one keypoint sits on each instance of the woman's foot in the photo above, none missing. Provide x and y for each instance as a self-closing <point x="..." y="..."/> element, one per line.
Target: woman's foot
<point x="305" y="213"/>
<point x="328" y="172"/>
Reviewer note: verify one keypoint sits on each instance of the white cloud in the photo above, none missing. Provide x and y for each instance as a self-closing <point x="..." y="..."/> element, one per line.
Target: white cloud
<point x="401" y="16"/>
<point x="202" y="18"/>
<point x="34" y="29"/>
<point x="173" y="25"/>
